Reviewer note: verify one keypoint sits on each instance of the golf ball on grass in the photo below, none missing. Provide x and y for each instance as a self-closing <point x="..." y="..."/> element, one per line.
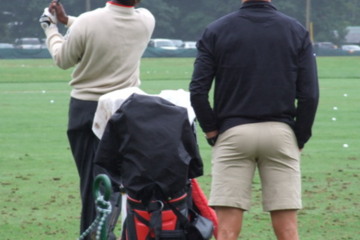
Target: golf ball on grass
<point x="334" y="119"/>
<point x="52" y="101"/>
<point x="345" y="145"/>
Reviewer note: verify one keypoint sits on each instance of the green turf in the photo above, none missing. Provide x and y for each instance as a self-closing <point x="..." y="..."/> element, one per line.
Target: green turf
<point x="39" y="196"/>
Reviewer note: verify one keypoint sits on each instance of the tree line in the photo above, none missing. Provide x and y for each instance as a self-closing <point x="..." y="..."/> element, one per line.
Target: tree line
<point x="186" y="19"/>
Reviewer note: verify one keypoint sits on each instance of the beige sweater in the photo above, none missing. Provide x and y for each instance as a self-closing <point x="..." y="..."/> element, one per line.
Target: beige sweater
<point x="105" y="46"/>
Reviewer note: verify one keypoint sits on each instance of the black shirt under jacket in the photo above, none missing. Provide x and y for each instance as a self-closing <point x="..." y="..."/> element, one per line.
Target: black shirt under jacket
<point x="264" y="69"/>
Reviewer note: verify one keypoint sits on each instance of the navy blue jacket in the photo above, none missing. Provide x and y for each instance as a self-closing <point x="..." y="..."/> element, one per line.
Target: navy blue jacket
<point x="264" y="69"/>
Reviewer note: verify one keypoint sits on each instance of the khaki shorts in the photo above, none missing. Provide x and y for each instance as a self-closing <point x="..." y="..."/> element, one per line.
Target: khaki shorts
<point x="271" y="147"/>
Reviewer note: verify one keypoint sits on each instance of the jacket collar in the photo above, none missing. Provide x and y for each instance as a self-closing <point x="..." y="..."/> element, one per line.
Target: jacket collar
<point x="258" y="4"/>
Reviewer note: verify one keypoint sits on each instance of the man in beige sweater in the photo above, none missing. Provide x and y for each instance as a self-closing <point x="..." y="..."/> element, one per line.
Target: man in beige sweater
<point x="105" y="47"/>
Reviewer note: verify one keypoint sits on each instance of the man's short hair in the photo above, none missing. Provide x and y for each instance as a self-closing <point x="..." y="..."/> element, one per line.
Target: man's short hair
<point x="129" y="2"/>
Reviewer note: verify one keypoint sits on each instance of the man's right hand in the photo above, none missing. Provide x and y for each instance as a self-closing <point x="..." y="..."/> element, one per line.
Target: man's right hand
<point x="57" y="8"/>
<point x="211" y="137"/>
<point x="47" y="20"/>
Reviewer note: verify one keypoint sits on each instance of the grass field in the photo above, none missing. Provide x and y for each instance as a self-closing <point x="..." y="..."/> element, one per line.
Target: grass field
<point x="39" y="196"/>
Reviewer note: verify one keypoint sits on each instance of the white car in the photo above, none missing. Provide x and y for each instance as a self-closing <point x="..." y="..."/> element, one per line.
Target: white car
<point x="28" y="43"/>
<point x="350" y="48"/>
<point x="189" y="45"/>
<point x="162" y="43"/>
<point x="178" y="42"/>
<point x="6" y="45"/>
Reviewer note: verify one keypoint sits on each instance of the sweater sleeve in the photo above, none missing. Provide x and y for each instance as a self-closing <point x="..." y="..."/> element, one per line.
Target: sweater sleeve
<point x="307" y="93"/>
<point x="67" y="50"/>
<point x="203" y="75"/>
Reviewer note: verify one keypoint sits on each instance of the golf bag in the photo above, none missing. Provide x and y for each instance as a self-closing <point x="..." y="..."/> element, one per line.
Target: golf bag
<point x="149" y="148"/>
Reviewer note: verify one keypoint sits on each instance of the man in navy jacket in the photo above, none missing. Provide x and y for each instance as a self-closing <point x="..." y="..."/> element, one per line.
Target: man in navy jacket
<point x="265" y="98"/>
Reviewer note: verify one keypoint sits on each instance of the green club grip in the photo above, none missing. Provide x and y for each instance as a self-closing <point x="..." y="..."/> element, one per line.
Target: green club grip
<point x="102" y="179"/>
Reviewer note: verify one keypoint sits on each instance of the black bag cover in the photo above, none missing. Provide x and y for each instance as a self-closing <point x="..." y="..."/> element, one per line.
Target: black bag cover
<point x="149" y="145"/>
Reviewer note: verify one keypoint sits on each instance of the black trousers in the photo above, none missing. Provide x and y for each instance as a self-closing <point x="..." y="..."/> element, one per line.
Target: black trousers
<point x="83" y="145"/>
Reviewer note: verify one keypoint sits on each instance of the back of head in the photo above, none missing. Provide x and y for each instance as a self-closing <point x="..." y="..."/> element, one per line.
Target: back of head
<point x="256" y="0"/>
<point x="127" y="2"/>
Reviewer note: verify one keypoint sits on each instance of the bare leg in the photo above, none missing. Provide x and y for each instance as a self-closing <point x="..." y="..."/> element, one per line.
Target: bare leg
<point x="284" y="223"/>
<point x="229" y="222"/>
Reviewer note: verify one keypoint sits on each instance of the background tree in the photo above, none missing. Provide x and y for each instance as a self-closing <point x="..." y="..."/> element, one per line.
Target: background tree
<point x="165" y="13"/>
<point x="5" y="19"/>
<point x="184" y="19"/>
<point x="332" y="17"/>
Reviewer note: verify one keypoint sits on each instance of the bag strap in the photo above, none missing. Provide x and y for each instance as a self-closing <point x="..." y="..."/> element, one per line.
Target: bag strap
<point x="184" y="221"/>
<point x="155" y="223"/>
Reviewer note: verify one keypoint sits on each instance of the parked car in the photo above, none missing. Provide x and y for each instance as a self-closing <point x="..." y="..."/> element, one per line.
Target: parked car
<point x="6" y="45"/>
<point x="28" y="43"/>
<point x="350" y="48"/>
<point x="162" y="43"/>
<point x="325" y="45"/>
<point x="189" y="45"/>
<point x="178" y="43"/>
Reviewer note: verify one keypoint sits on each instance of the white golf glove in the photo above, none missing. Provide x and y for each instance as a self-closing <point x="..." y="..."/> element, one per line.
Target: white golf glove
<point x="47" y="19"/>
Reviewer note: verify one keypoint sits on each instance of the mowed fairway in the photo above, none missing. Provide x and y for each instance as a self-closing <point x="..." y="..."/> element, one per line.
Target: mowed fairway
<point x="39" y="196"/>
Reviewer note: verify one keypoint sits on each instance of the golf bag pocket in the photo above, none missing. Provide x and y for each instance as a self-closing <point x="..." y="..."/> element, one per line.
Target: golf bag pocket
<point x="200" y="228"/>
<point x="155" y="220"/>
